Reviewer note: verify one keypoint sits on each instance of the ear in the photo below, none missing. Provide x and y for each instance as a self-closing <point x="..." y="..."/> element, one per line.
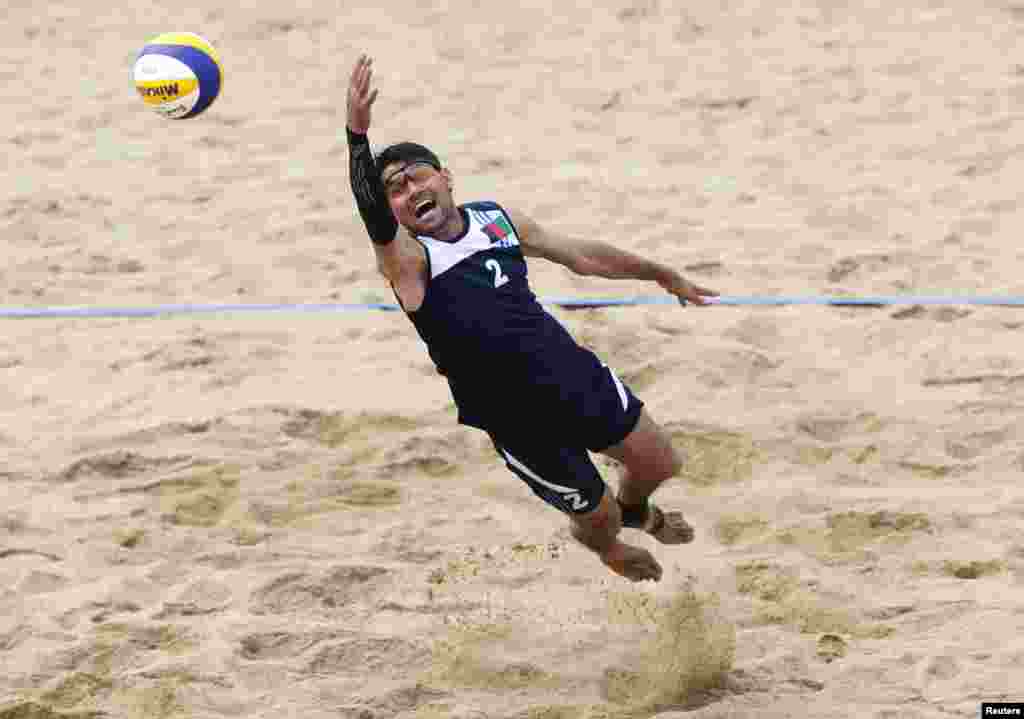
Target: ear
<point x="448" y="178"/>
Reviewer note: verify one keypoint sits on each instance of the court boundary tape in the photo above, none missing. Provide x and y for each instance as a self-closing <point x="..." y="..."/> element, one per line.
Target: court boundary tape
<point x="568" y="303"/>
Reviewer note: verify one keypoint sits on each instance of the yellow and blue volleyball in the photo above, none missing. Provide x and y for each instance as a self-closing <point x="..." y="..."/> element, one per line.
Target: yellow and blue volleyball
<point x="178" y="74"/>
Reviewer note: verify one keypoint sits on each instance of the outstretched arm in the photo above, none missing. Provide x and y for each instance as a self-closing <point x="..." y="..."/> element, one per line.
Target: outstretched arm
<point x="601" y="259"/>
<point x="366" y="185"/>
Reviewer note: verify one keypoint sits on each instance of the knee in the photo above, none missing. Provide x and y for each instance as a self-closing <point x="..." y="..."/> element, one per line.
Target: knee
<point x="660" y="465"/>
<point x="671" y="464"/>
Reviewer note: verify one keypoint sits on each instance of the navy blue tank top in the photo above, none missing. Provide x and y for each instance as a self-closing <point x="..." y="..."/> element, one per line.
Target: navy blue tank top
<point x="505" y="357"/>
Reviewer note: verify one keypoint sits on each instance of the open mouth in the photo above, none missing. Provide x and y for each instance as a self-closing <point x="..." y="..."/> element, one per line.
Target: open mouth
<point x="423" y="207"/>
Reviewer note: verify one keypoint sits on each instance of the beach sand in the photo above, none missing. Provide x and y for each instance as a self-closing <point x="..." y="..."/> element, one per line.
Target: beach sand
<point x="276" y="514"/>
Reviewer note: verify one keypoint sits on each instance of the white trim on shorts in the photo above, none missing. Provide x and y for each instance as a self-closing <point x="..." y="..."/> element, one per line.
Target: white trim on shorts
<point x="526" y="470"/>
<point x="619" y="387"/>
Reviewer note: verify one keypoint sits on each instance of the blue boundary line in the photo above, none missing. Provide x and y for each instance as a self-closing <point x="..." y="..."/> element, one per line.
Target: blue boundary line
<point x="565" y="302"/>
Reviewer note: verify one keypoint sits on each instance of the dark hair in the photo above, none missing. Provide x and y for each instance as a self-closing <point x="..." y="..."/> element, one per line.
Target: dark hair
<point x="406" y="152"/>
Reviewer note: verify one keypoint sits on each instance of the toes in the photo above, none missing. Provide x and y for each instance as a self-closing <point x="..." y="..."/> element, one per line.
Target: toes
<point x="675" y="530"/>
<point x="680" y="527"/>
<point x="649" y="569"/>
<point x="640" y="574"/>
<point x="637" y="570"/>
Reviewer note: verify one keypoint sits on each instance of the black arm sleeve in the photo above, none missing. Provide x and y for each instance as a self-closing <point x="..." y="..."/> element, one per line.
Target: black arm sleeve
<point x="369" y="193"/>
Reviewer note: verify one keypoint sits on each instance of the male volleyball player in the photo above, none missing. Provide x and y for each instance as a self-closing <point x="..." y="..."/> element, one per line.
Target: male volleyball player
<point x="514" y="371"/>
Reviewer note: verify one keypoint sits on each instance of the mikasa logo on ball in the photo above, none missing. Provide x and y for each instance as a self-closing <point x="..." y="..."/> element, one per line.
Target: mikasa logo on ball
<point x="171" y="90"/>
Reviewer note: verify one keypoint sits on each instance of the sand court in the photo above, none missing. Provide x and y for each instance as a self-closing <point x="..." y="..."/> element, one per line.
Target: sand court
<point x="276" y="515"/>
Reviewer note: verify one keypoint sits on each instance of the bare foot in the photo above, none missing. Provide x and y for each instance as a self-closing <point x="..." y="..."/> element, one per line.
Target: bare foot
<point x="669" y="527"/>
<point x="633" y="563"/>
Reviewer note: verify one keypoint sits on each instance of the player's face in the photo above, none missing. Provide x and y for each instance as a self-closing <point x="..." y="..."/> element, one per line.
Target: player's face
<point x="419" y="194"/>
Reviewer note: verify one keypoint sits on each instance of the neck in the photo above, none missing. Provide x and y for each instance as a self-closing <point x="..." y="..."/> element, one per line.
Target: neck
<point x="454" y="225"/>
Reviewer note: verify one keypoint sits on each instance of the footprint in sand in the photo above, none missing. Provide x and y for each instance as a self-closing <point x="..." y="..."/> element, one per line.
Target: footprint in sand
<point x="116" y="465"/>
<point x="870" y="263"/>
<point x="262" y="646"/>
<point x="759" y="332"/>
<point x="202" y="350"/>
<point x="301" y="592"/>
<point x="972" y="445"/>
<point x="435" y="455"/>
<point x="833" y="428"/>
<point x="39" y="582"/>
<point x="113" y="648"/>
<point x="407" y="546"/>
<point x="728" y="367"/>
<point x="940" y="667"/>
<point x="713" y="455"/>
<point x="406" y="465"/>
<point x="206" y="596"/>
<point x="404" y="699"/>
<point x="196" y="498"/>
<point x="306" y="500"/>
<point x="385" y="656"/>
<point x="334" y="428"/>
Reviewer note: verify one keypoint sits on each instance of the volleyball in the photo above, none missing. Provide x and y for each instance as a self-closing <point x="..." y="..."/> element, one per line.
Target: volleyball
<point x="178" y="74"/>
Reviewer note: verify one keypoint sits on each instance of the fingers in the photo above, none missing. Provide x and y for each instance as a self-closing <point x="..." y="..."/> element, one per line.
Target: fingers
<point x="367" y="76"/>
<point x="361" y="95"/>
<point x="697" y="295"/>
<point x="357" y="70"/>
<point x="362" y="73"/>
<point x="689" y="293"/>
<point x="363" y="80"/>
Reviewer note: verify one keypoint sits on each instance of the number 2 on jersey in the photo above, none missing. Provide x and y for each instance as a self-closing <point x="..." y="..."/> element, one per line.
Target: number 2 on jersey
<point x="499" y="278"/>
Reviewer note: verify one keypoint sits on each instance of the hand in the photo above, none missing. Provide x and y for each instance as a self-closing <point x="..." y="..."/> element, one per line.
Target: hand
<point x="360" y="98"/>
<point x="686" y="291"/>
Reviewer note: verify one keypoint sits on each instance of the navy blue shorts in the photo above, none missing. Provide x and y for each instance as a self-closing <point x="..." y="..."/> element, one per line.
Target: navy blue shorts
<point x="555" y="463"/>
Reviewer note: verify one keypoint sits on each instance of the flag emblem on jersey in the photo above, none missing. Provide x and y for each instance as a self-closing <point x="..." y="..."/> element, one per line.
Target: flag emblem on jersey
<point x="497" y="230"/>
